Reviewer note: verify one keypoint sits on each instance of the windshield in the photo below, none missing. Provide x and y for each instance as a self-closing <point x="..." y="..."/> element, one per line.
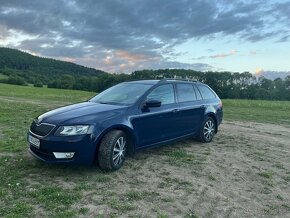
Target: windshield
<point x="124" y="94"/>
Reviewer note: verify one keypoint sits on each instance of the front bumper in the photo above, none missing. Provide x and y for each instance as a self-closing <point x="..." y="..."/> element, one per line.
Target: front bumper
<point x="83" y="147"/>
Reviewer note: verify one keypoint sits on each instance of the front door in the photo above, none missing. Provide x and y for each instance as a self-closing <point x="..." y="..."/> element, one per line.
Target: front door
<point x="157" y="124"/>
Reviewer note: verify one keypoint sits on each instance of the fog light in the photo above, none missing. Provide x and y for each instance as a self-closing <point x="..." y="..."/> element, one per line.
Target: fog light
<point x="65" y="155"/>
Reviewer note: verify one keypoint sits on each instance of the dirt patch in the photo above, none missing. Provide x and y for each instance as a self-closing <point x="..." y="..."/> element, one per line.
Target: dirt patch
<point x="244" y="172"/>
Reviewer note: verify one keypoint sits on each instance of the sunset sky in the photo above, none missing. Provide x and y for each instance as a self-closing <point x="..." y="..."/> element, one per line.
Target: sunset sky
<point x="123" y="36"/>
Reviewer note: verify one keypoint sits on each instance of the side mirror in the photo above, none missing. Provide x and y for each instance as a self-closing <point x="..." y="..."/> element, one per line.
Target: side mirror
<point x="152" y="103"/>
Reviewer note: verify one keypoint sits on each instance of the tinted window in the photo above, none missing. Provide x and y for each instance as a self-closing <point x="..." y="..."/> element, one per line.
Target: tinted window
<point x="198" y="95"/>
<point x="185" y="92"/>
<point x="206" y="92"/>
<point x="164" y="93"/>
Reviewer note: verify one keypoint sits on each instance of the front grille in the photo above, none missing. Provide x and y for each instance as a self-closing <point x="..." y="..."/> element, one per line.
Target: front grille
<point x="42" y="129"/>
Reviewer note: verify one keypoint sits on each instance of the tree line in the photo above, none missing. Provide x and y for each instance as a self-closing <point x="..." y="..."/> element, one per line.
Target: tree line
<point x="226" y="84"/>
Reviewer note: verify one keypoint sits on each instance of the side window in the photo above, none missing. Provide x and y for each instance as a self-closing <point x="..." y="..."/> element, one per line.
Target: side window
<point x="163" y="93"/>
<point x="185" y="92"/>
<point x="206" y="92"/>
<point x="198" y="96"/>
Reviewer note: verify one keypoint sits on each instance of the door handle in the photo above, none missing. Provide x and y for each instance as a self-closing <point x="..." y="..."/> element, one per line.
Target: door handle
<point x="202" y="106"/>
<point x="175" y="110"/>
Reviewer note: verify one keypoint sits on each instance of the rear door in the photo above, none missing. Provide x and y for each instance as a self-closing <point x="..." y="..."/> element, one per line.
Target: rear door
<point x="191" y="109"/>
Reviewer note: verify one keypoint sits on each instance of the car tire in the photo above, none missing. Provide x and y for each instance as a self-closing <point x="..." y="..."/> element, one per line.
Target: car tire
<point x="112" y="150"/>
<point x="207" y="130"/>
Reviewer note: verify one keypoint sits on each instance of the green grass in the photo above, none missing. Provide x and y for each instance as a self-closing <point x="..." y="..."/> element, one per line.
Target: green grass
<point x="179" y="157"/>
<point x="18" y="106"/>
<point x="277" y="112"/>
<point x="266" y="174"/>
<point x="44" y="94"/>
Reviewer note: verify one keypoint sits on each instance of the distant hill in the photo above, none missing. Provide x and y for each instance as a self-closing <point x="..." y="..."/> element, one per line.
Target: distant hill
<point x="17" y="63"/>
<point x="272" y="74"/>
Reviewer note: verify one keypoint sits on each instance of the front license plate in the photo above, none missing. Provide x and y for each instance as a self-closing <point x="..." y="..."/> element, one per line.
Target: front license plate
<point x="34" y="141"/>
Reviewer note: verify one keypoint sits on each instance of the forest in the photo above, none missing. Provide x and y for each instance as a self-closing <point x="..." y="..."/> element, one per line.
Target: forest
<point x="21" y="68"/>
<point x="17" y="65"/>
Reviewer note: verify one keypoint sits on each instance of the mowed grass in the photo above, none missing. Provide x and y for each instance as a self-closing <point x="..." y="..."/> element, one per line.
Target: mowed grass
<point x="19" y="105"/>
<point x="276" y="112"/>
<point x="43" y="94"/>
<point x="29" y="188"/>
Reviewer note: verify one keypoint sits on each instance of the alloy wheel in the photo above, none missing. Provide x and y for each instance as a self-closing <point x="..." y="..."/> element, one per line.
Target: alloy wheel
<point x="119" y="151"/>
<point x="208" y="130"/>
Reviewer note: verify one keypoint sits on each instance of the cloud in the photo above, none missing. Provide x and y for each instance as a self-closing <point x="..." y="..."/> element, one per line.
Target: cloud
<point x="252" y="53"/>
<point x="134" y="31"/>
<point x="272" y="75"/>
<point x="126" y="62"/>
<point x="259" y="72"/>
<point x="200" y="58"/>
<point x="3" y="32"/>
<point x="220" y="55"/>
<point x="231" y="53"/>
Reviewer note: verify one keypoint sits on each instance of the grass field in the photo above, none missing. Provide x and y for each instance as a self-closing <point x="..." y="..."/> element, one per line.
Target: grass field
<point x="277" y="112"/>
<point x="239" y="174"/>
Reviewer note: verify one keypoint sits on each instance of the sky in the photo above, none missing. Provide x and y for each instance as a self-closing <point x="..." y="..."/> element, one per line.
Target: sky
<point x="123" y="36"/>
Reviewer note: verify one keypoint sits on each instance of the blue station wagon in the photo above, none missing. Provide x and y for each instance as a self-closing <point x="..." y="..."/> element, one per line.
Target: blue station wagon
<point x="126" y="118"/>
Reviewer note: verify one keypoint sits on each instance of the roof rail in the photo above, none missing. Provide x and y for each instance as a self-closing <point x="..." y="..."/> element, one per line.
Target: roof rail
<point x="175" y="79"/>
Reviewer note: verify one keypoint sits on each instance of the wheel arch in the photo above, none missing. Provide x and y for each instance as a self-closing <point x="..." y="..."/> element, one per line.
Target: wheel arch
<point x="129" y="132"/>
<point x="213" y="116"/>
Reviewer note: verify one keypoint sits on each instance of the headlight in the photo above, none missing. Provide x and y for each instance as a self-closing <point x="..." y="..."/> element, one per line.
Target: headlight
<point x="72" y="130"/>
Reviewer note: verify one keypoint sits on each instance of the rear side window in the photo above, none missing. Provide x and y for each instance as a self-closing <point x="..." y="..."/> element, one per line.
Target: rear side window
<point x="198" y="95"/>
<point x="206" y="92"/>
<point x="185" y="92"/>
<point x="163" y="93"/>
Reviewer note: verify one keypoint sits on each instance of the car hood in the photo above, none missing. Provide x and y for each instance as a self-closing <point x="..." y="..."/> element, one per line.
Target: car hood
<point x="81" y="113"/>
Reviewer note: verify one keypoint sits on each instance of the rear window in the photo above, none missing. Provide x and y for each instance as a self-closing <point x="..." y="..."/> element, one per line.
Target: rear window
<point x="198" y="95"/>
<point x="206" y="92"/>
<point x="185" y="92"/>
